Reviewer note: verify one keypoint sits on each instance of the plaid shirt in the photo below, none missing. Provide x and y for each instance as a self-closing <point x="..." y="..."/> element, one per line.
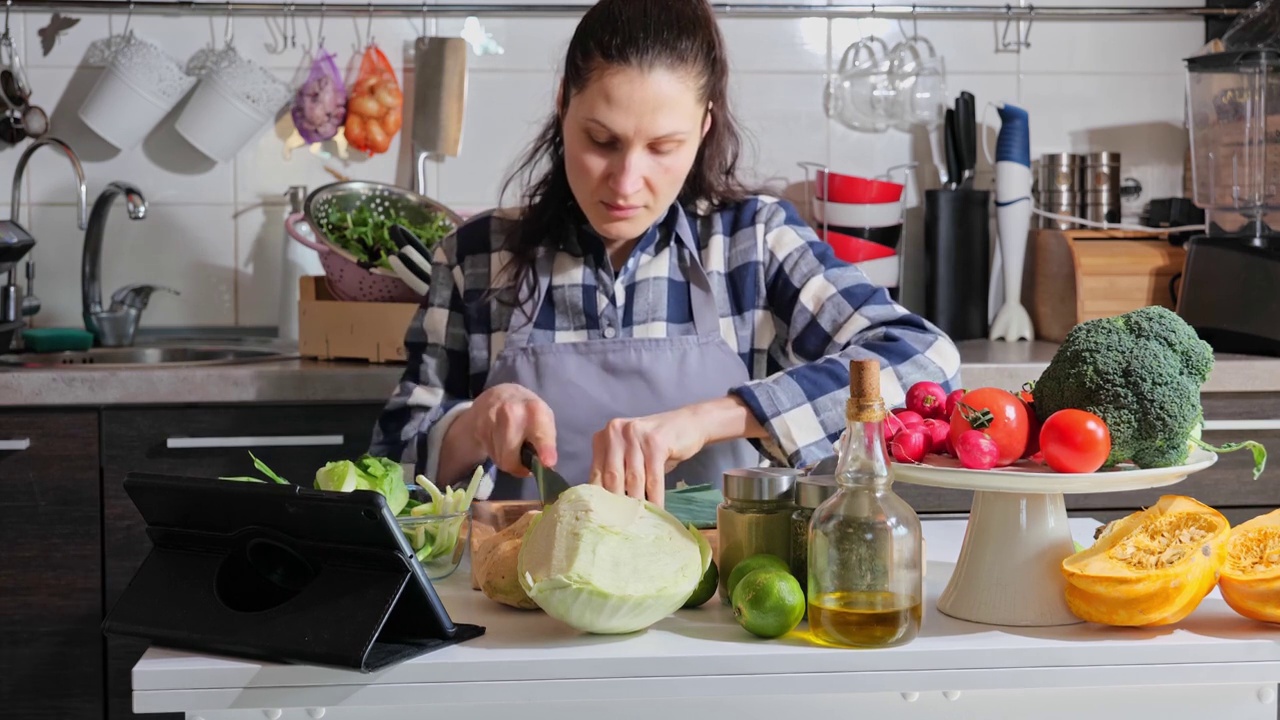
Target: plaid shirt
<point x="792" y="312"/>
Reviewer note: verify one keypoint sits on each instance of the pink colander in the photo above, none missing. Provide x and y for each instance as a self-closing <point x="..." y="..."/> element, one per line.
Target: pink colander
<point x="347" y="277"/>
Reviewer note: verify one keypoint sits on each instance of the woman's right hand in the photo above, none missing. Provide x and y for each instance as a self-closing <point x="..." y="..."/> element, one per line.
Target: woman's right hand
<point x="505" y="417"/>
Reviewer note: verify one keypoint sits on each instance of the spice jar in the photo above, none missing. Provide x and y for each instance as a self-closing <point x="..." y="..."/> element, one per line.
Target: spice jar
<point x="811" y="491"/>
<point x="754" y="518"/>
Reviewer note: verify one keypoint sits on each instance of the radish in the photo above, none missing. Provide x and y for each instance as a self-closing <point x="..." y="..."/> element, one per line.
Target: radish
<point x="910" y="419"/>
<point x="937" y="431"/>
<point x="927" y="399"/>
<point x="910" y="446"/>
<point x="892" y="426"/>
<point x="952" y="399"/>
<point x="976" y="450"/>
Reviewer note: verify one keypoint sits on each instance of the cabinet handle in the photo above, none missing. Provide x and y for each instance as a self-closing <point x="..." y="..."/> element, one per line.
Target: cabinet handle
<point x="1241" y="425"/>
<point x="188" y="443"/>
<point x="15" y="445"/>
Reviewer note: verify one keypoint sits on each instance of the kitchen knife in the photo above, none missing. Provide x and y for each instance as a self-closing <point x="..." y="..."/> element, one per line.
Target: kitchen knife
<point x="967" y="132"/>
<point x="550" y="483"/>
<point x="950" y="140"/>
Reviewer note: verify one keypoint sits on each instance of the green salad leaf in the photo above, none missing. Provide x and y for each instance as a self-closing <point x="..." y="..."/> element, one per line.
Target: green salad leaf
<point x="368" y="236"/>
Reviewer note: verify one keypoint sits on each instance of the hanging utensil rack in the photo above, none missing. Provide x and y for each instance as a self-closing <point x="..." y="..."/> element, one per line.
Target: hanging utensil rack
<point x="380" y="9"/>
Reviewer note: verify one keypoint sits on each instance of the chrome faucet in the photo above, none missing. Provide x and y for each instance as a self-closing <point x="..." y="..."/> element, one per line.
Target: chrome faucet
<point x="114" y="326"/>
<point x="14" y="306"/>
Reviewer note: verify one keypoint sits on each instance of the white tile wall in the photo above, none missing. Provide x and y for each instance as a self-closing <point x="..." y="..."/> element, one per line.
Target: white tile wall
<point x="215" y="233"/>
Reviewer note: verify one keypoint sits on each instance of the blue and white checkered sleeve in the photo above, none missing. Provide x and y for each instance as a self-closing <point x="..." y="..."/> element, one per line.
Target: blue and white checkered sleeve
<point x="829" y="313"/>
<point x="435" y="383"/>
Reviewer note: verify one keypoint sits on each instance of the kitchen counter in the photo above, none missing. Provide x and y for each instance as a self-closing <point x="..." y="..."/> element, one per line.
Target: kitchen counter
<point x="699" y="663"/>
<point x="984" y="363"/>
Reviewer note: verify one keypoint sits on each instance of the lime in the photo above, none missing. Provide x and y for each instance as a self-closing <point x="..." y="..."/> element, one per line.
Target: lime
<point x="706" y="587"/>
<point x="759" y="561"/>
<point x="768" y="603"/>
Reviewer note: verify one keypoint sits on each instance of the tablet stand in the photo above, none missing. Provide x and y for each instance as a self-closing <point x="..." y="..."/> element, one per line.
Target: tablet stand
<point x="279" y="573"/>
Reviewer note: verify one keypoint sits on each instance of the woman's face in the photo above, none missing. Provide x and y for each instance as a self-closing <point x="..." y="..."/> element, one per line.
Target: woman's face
<point x="630" y="139"/>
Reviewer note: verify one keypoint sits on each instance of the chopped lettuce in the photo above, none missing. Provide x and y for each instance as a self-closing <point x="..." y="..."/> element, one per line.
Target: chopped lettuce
<point x="432" y="540"/>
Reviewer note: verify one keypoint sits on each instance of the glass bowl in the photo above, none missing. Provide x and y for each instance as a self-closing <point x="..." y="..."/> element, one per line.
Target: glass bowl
<point x="439" y="541"/>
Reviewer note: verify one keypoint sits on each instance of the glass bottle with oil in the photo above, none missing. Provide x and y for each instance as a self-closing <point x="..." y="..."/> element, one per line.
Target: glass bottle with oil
<point x="866" y="582"/>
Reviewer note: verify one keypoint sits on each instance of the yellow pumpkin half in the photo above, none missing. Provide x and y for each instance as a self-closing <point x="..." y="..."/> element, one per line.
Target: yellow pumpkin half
<point x="1250" y="578"/>
<point x="1150" y="568"/>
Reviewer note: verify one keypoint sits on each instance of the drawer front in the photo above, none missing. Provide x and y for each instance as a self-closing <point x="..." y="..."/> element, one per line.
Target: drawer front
<point x="294" y="441"/>
<point x="209" y="442"/>
<point x="50" y="566"/>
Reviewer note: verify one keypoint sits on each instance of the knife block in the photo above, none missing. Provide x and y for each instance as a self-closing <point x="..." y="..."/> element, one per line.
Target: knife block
<point x="279" y="573"/>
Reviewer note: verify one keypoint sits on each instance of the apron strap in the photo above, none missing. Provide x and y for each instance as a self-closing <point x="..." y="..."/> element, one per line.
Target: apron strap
<point x="702" y="299"/>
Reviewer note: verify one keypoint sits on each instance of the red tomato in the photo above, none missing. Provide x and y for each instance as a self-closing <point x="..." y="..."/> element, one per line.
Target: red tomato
<point x="1033" y="422"/>
<point x="997" y="414"/>
<point x="1075" y="441"/>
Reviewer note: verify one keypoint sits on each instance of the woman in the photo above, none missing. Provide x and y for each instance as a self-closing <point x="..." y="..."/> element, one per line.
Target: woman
<point x="643" y="319"/>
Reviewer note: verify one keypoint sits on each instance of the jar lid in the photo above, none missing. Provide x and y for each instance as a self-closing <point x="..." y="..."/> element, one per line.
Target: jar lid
<point x="813" y="490"/>
<point x="760" y="483"/>
<point x="1103" y="157"/>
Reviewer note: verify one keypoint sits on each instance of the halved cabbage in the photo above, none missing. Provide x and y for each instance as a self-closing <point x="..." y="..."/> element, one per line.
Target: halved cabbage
<point x="609" y="564"/>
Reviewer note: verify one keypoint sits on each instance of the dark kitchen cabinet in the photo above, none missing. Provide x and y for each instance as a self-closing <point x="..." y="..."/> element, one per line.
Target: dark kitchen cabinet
<point x="51" y="665"/>
<point x="294" y="440"/>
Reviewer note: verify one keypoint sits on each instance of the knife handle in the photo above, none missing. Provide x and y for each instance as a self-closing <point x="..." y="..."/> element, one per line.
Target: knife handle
<point x="528" y="456"/>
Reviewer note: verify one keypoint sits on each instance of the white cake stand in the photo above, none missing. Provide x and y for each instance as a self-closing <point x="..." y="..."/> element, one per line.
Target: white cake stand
<point x="1009" y="570"/>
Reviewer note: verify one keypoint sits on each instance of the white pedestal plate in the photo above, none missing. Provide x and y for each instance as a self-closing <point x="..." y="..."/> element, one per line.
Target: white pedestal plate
<point x="1008" y="572"/>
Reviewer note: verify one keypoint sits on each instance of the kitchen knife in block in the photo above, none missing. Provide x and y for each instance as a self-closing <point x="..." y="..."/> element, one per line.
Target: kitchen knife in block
<point x="550" y="483"/>
<point x="281" y="573"/>
<point x="439" y="98"/>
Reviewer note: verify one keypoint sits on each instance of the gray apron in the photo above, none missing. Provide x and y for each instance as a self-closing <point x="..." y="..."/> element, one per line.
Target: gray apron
<point x="589" y="383"/>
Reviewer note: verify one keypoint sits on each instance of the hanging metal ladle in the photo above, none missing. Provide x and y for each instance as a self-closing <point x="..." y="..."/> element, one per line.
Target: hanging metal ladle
<point x="21" y="119"/>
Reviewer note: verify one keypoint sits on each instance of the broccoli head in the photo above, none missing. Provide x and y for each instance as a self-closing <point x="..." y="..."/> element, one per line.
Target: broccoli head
<point x="1141" y="373"/>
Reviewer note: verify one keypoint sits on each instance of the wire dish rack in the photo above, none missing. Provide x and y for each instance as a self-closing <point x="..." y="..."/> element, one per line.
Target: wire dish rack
<point x="875" y="247"/>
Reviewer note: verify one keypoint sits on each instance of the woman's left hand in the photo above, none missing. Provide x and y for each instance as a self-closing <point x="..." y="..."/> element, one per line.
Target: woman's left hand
<point x="633" y="455"/>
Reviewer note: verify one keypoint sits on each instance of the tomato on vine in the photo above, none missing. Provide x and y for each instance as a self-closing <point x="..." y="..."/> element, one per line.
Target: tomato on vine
<point x="998" y="414"/>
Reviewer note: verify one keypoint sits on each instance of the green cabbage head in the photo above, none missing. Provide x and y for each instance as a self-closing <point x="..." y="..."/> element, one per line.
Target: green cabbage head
<point x="609" y="564"/>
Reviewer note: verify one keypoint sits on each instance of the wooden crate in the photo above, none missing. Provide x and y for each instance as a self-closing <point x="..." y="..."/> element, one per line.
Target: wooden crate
<point x="330" y="329"/>
<point x="1078" y="275"/>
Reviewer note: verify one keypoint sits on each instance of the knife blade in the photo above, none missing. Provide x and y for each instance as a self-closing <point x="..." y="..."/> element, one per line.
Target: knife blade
<point x="550" y="483"/>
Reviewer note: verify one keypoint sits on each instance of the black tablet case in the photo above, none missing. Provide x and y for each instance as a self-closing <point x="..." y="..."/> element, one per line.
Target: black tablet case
<point x="280" y="573"/>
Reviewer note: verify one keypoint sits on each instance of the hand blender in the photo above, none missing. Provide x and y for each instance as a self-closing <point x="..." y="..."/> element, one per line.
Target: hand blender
<point x="1013" y="220"/>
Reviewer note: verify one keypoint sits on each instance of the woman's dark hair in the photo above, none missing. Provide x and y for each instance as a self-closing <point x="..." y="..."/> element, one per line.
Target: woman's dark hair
<point x="679" y="35"/>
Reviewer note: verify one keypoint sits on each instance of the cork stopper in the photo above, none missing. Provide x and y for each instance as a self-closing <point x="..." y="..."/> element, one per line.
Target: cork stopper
<point x="864" y="380"/>
<point x="865" y="403"/>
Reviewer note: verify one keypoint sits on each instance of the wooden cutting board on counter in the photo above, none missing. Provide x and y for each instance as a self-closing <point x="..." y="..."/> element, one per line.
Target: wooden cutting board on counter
<point x="1078" y="275"/>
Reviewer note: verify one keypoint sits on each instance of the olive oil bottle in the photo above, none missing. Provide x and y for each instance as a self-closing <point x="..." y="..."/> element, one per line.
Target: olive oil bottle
<point x="865" y="545"/>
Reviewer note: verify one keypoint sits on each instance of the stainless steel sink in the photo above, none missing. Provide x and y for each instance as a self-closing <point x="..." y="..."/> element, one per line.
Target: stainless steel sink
<point x="148" y="356"/>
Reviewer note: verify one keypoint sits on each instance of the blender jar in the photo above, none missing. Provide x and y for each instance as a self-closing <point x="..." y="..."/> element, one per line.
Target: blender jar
<point x="1233" y="102"/>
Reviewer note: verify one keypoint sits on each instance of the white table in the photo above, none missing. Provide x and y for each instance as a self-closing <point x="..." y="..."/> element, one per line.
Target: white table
<point x="700" y="664"/>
